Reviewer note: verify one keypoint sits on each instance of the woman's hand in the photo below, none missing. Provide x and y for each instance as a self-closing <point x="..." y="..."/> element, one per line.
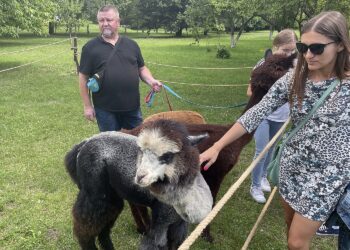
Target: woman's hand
<point x="208" y="157"/>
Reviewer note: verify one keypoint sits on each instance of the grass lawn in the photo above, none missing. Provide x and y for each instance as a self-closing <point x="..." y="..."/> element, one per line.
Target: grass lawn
<point x="41" y="119"/>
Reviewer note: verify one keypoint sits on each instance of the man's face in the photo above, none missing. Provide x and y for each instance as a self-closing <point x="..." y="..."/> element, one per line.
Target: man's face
<point x="108" y="22"/>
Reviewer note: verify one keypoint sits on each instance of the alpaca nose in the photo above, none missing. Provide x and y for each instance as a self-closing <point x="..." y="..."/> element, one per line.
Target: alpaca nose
<point x="140" y="177"/>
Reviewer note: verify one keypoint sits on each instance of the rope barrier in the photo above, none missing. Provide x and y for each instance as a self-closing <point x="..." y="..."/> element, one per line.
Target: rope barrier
<point x="200" y="68"/>
<point x="263" y="211"/>
<point x="26" y="64"/>
<point x="205" y="222"/>
<point x="207" y="85"/>
<point x="167" y="88"/>
<point x="40" y="46"/>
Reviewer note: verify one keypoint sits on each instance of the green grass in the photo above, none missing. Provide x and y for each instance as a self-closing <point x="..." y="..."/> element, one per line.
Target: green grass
<point x="41" y="118"/>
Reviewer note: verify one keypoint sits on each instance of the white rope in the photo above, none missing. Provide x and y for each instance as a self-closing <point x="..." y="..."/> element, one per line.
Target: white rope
<point x="262" y="214"/>
<point x="186" y="67"/>
<point x="26" y="64"/>
<point x="36" y="47"/>
<point x="205" y="222"/>
<point x="206" y="85"/>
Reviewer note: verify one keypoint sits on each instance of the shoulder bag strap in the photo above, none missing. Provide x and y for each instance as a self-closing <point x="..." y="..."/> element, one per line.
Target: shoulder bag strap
<point x="114" y="50"/>
<point x="100" y="73"/>
<point x="314" y="108"/>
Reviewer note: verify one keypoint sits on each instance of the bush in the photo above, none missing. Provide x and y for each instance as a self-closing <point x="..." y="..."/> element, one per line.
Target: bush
<point x="223" y="53"/>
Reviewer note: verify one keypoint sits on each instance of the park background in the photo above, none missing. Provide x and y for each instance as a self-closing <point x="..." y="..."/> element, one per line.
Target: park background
<point x="41" y="114"/>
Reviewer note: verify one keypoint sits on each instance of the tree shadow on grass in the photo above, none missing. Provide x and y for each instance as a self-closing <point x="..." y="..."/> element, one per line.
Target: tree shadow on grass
<point x="9" y="65"/>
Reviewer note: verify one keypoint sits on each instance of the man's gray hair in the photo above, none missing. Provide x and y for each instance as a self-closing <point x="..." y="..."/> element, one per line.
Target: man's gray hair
<point x="109" y="7"/>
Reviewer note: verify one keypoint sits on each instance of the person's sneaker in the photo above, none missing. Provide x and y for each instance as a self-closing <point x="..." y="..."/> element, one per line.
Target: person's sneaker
<point x="265" y="185"/>
<point x="324" y="230"/>
<point x="257" y="194"/>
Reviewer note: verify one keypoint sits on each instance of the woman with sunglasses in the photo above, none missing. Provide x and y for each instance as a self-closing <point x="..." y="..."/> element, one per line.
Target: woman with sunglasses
<point x="283" y="44"/>
<point x="315" y="162"/>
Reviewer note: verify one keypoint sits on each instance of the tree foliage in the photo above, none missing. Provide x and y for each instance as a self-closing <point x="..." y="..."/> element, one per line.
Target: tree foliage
<point x="200" y="16"/>
<point x="69" y="14"/>
<point x="233" y="16"/>
<point x="30" y="15"/>
<point x="168" y="14"/>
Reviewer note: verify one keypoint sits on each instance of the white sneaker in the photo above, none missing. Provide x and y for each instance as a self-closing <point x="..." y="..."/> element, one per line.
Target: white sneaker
<point x="257" y="194"/>
<point x="265" y="185"/>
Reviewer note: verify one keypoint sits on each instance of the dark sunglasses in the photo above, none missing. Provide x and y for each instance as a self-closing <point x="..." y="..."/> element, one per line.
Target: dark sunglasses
<point x="315" y="48"/>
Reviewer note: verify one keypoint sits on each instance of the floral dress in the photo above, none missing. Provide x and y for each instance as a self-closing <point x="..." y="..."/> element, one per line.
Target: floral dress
<point x="315" y="162"/>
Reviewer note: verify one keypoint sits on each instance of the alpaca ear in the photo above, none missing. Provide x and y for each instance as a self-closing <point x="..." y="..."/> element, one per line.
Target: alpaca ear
<point x="268" y="53"/>
<point x="196" y="139"/>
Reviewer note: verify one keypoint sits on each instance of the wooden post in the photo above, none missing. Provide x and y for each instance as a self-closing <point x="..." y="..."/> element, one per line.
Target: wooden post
<point x="75" y="52"/>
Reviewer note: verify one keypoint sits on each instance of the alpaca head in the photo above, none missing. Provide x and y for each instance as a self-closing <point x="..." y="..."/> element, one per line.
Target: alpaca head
<point x="168" y="165"/>
<point x="167" y="154"/>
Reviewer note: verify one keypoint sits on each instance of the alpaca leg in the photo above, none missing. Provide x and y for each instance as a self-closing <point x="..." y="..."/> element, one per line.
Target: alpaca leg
<point x="82" y="228"/>
<point x="162" y="217"/>
<point x="141" y="217"/>
<point x="111" y="216"/>
<point x="94" y="217"/>
<point x="214" y="186"/>
<point x="104" y="237"/>
<point x="177" y="233"/>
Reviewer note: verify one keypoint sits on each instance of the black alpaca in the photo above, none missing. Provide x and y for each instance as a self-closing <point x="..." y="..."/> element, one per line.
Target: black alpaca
<point x="113" y="166"/>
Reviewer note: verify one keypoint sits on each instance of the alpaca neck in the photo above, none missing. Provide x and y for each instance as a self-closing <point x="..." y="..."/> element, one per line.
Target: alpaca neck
<point x="195" y="201"/>
<point x="192" y="202"/>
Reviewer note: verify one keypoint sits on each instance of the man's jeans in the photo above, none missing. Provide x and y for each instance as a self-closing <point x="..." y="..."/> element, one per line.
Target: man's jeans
<point x="115" y="121"/>
<point x="263" y="134"/>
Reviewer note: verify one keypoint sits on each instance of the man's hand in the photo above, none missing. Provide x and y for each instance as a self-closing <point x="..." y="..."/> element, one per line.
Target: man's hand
<point x="156" y="85"/>
<point x="89" y="113"/>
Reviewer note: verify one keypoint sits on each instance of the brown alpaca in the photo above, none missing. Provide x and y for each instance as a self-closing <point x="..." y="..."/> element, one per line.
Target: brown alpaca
<point x="185" y="116"/>
<point x="262" y="79"/>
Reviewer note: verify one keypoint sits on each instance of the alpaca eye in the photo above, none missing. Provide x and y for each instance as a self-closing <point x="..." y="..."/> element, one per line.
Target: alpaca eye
<point x="166" y="158"/>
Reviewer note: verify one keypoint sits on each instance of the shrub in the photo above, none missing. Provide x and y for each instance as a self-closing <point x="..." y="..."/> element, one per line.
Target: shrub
<point x="223" y="53"/>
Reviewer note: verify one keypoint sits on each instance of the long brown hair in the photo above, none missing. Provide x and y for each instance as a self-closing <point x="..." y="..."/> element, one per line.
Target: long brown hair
<point x="333" y="25"/>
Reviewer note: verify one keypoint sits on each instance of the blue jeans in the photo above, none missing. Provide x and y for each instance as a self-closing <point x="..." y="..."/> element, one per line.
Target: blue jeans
<point x="344" y="231"/>
<point x="115" y="121"/>
<point x="341" y="217"/>
<point x="263" y="134"/>
<point x="344" y="237"/>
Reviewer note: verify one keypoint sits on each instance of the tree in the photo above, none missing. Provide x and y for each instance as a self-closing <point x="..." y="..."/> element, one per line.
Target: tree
<point x="199" y="15"/>
<point x="168" y="14"/>
<point x="69" y="14"/>
<point x="235" y="15"/>
<point x="30" y="15"/>
<point x="280" y="14"/>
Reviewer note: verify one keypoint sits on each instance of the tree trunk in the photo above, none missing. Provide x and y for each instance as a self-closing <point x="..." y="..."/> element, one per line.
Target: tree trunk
<point x="88" y="29"/>
<point x="178" y="32"/>
<point x="245" y="23"/>
<point x="271" y="32"/>
<point x="51" y="28"/>
<point x="232" y="36"/>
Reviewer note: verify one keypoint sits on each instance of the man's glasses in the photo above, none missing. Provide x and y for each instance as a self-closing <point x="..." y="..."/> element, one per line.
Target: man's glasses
<point x="315" y="48"/>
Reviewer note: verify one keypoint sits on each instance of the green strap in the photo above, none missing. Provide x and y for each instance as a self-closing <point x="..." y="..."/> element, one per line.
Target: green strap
<point x="314" y="108"/>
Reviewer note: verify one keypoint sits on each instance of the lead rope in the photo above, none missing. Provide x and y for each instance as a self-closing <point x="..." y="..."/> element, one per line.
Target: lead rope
<point x="167" y="99"/>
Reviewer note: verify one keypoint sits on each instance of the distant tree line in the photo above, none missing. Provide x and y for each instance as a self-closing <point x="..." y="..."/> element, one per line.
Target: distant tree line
<point x="200" y="16"/>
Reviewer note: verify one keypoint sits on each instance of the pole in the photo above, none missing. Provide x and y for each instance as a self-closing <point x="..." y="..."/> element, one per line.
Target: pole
<point x="75" y="52"/>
